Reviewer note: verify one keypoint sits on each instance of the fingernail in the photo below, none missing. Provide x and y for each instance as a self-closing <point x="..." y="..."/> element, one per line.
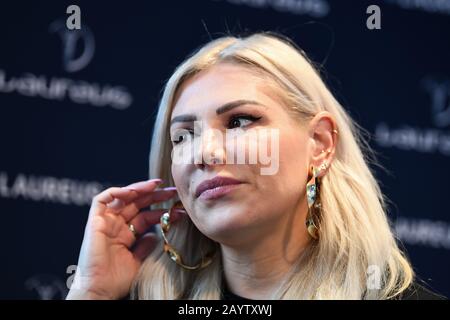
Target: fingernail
<point x="179" y="211"/>
<point x="142" y="184"/>
<point x="169" y="189"/>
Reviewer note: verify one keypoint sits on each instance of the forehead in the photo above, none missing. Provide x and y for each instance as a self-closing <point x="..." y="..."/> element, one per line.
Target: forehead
<point x="218" y="85"/>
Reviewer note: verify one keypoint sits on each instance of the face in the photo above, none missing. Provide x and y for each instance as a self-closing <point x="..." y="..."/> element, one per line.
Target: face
<point x="250" y="111"/>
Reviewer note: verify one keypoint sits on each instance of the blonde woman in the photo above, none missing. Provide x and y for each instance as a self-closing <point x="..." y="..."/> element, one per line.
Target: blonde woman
<point x="308" y="224"/>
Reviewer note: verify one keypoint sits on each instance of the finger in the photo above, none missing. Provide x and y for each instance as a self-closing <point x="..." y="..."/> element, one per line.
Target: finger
<point x="127" y="236"/>
<point x="115" y="198"/>
<point x="135" y="190"/>
<point x="100" y="201"/>
<point x="157" y="196"/>
<point x="145" y="245"/>
<point x="145" y="219"/>
<point x="141" y="223"/>
<point x="144" y="186"/>
<point x="109" y="194"/>
<point x="132" y="209"/>
<point x="138" y="188"/>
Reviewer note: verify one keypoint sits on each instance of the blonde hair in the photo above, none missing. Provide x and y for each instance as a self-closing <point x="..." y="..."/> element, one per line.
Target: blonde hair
<point x="354" y="229"/>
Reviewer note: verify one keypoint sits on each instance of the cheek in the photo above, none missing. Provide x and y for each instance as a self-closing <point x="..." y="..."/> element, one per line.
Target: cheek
<point x="293" y="163"/>
<point x="181" y="180"/>
<point x="283" y="151"/>
<point x="281" y="159"/>
<point x="261" y="147"/>
<point x="293" y="149"/>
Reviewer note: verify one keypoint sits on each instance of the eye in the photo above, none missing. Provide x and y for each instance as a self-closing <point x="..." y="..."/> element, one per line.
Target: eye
<point x="181" y="136"/>
<point x="237" y="122"/>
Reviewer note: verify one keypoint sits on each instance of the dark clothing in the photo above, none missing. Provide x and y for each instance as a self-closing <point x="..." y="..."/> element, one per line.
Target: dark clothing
<point x="419" y="292"/>
<point x="414" y="292"/>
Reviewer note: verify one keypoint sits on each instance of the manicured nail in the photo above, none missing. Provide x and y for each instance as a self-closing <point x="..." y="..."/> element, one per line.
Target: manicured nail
<point x="157" y="181"/>
<point x="169" y="189"/>
<point x="143" y="184"/>
<point x="179" y="211"/>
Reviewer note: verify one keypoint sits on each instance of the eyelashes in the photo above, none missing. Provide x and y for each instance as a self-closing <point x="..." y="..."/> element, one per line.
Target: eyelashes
<point x="231" y="124"/>
<point x="242" y="116"/>
<point x="181" y="136"/>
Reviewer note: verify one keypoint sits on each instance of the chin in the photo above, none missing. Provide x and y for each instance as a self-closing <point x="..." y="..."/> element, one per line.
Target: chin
<point x="221" y="227"/>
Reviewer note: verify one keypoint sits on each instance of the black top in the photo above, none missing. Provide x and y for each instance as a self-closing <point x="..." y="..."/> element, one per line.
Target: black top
<point x="419" y="292"/>
<point x="414" y="292"/>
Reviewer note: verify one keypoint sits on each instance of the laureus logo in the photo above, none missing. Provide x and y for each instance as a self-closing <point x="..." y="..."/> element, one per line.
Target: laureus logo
<point x="78" y="45"/>
<point x="47" y="287"/>
<point x="439" y="92"/>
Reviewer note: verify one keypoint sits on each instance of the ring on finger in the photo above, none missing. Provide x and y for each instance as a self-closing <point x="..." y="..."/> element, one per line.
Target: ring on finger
<point x="132" y="228"/>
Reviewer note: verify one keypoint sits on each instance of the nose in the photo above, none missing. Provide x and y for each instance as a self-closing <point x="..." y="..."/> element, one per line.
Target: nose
<point x="211" y="150"/>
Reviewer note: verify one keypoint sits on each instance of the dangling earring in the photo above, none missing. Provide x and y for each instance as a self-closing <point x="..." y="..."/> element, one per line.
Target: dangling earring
<point x="312" y="195"/>
<point x="173" y="254"/>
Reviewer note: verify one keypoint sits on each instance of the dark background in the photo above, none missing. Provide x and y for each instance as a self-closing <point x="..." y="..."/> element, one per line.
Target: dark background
<point x="395" y="82"/>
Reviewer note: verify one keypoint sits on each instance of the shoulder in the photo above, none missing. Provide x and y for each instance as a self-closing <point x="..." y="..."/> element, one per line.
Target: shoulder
<point x="417" y="291"/>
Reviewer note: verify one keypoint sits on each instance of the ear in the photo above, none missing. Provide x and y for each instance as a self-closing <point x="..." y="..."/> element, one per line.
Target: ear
<point x="324" y="141"/>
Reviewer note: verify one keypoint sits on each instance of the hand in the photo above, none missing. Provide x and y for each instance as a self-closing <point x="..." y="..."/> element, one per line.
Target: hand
<point x="110" y="255"/>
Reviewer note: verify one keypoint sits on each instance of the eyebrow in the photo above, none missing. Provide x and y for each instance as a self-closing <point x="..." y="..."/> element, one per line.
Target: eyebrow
<point x="222" y="109"/>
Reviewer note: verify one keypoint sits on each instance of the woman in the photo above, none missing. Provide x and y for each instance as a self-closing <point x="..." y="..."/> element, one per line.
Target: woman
<point x="312" y="226"/>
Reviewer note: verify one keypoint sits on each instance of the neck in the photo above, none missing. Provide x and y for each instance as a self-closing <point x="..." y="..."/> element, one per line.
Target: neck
<point x="255" y="267"/>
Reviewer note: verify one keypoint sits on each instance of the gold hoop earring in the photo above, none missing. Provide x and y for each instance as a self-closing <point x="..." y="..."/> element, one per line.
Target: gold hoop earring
<point x="312" y="192"/>
<point x="173" y="254"/>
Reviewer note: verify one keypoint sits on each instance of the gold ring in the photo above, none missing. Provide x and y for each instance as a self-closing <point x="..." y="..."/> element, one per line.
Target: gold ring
<point x="132" y="228"/>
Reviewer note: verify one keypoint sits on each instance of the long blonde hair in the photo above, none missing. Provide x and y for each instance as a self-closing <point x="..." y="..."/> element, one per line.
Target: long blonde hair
<point x="355" y="234"/>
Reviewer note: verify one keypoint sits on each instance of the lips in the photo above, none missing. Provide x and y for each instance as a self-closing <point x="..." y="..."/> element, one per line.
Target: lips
<point x="214" y="183"/>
